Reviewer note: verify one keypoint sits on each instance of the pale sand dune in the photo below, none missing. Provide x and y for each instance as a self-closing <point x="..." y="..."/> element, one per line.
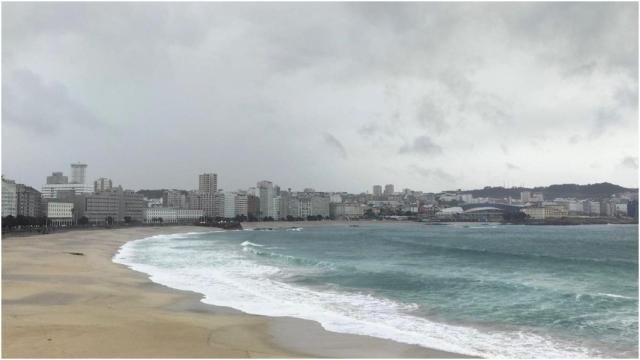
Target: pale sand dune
<point x="56" y="304"/>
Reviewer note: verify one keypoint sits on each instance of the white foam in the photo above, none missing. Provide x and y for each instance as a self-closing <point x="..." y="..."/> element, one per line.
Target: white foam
<point x="249" y="243"/>
<point x="241" y="283"/>
<point x="616" y="296"/>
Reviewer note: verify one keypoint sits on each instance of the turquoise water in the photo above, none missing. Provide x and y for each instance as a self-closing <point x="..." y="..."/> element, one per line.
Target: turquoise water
<point x="497" y="291"/>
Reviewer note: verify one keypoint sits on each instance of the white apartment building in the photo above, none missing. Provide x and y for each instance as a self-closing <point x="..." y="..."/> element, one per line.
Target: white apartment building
<point x="225" y="203"/>
<point x="50" y="191"/>
<point x="171" y="215"/>
<point x="242" y="205"/>
<point x="9" y="198"/>
<point x="60" y="212"/>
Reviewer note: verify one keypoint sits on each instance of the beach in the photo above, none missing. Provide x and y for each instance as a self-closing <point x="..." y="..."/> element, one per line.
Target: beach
<point x="64" y="297"/>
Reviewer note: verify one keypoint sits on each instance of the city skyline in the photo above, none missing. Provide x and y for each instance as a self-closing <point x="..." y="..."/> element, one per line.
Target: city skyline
<point x="407" y="94"/>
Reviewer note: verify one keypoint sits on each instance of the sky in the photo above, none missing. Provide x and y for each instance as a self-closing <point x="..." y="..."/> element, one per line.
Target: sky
<point x="333" y="96"/>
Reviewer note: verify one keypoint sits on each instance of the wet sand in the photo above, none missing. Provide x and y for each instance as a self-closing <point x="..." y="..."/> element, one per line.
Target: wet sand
<point x="62" y="296"/>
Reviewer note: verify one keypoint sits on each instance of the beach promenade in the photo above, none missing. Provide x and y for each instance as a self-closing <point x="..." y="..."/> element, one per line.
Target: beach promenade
<point x="64" y="297"/>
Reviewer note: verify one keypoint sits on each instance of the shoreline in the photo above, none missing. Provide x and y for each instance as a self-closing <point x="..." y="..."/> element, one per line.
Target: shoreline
<point x="63" y="296"/>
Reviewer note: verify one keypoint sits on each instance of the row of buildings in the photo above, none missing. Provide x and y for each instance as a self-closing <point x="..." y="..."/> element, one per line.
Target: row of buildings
<point x="72" y="199"/>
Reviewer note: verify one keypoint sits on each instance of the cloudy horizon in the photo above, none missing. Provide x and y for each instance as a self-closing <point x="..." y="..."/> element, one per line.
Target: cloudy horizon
<point x="333" y="96"/>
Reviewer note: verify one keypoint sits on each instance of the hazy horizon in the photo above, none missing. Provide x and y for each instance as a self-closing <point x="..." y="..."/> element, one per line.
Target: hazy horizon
<point x="332" y="96"/>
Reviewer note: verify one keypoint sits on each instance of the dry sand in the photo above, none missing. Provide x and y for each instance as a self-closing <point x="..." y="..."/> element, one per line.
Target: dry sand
<point x="56" y="304"/>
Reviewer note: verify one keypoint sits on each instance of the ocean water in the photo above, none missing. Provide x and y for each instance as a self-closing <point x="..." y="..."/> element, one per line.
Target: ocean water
<point x="491" y="291"/>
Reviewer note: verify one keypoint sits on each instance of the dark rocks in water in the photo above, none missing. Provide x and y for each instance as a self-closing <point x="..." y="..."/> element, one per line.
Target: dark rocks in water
<point x="76" y="253"/>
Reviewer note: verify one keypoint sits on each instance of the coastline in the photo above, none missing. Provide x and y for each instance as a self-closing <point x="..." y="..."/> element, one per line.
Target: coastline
<point x="64" y="297"/>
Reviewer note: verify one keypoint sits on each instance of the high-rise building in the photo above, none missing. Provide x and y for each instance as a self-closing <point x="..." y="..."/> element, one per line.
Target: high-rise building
<point x="525" y="196"/>
<point x="102" y="184"/>
<point x="241" y="205"/>
<point x="9" y="198"/>
<point x="225" y="204"/>
<point x="377" y="190"/>
<point x="253" y="206"/>
<point x="28" y="201"/>
<point x="266" y="198"/>
<point x="208" y="183"/>
<point x="388" y="189"/>
<point x="78" y="173"/>
<point x="276" y="207"/>
<point x="57" y="178"/>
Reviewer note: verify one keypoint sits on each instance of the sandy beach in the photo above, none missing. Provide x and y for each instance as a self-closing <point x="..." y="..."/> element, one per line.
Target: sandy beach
<point x="62" y="296"/>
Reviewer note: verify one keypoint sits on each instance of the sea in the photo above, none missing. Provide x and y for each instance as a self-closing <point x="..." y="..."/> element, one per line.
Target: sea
<point x="486" y="290"/>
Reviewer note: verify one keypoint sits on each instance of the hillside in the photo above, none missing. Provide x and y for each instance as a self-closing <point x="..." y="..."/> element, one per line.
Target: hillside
<point x="589" y="191"/>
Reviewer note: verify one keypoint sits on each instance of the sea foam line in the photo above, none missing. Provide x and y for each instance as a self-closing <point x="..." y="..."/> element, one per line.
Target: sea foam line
<point x="246" y="286"/>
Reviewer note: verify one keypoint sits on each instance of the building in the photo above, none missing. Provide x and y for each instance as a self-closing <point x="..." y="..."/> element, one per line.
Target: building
<point x="276" y="208"/>
<point x="555" y="211"/>
<point x="525" y="196"/>
<point x="113" y="206"/>
<point x="171" y="215"/>
<point x="208" y="183"/>
<point x="153" y="202"/>
<point x="28" y="201"/>
<point x="225" y="205"/>
<point x="388" y="189"/>
<point x="621" y="209"/>
<point x="266" y="198"/>
<point x="253" y="206"/>
<point x="9" y="198"/>
<point x="174" y="199"/>
<point x="347" y="211"/>
<point x="57" y="178"/>
<point x="102" y="184"/>
<point x="484" y="214"/>
<point x="241" y="205"/>
<point x="592" y="208"/>
<point x="377" y="190"/>
<point x="536" y="213"/>
<point x="52" y="191"/>
<point x="60" y="213"/>
<point x="78" y="173"/>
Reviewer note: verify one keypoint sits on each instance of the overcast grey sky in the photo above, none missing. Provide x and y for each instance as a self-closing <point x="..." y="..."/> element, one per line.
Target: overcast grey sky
<point x="326" y="95"/>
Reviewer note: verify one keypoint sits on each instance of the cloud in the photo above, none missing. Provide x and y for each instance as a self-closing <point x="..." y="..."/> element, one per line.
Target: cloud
<point x="435" y="173"/>
<point x="336" y="144"/>
<point x="408" y="78"/>
<point x="511" y="166"/>
<point x="421" y="145"/>
<point x="368" y="130"/>
<point x="630" y="162"/>
<point x="33" y="104"/>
